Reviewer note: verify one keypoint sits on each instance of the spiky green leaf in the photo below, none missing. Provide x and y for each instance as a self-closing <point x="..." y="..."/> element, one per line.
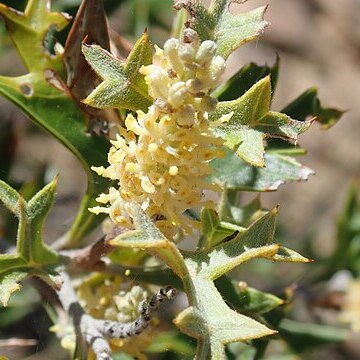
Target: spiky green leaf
<point x="308" y="104"/>
<point x="252" y="122"/>
<point x="32" y="256"/>
<point x="123" y="86"/>
<point x="28" y="31"/>
<point x="233" y="173"/>
<point x="227" y="30"/>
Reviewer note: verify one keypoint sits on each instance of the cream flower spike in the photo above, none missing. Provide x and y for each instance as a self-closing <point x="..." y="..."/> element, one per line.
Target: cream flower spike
<point x="162" y="160"/>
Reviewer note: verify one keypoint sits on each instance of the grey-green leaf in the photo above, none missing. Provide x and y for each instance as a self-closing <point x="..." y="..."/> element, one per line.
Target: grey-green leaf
<point x="233" y="173"/>
<point x="123" y="86"/>
<point x="252" y="121"/>
<point x="227" y="30"/>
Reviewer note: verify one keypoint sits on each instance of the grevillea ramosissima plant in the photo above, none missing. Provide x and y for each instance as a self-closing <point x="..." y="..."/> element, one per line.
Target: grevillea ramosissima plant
<point x="168" y="146"/>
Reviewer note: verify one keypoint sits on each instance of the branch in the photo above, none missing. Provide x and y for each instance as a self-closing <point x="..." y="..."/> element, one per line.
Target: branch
<point x="94" y="332"/>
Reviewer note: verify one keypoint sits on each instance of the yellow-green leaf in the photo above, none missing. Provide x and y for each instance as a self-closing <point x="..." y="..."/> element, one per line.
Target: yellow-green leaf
<point x="123" y="86"/>
<point x="29" y="29"/>
<point x="252" y="121"/>
<point x="32" y="256"/>
<point x="227" y="30"/>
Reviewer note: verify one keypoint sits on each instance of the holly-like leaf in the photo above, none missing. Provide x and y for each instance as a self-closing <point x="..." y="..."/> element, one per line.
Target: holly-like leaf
<point x="252" y="121"/>
<point x="233" y="173"/>
<point x="32" y="256"/>
<point x="255" y="242"/>
<point x="244" y="79"/>
<point x="214" y="324"/>
<point x="43" y="96"/>
<point x="29" y="31"/>
<point x="208" y="318"/>
<point x="123" y="86"/>
<point x="308" y="104"/>
<point x="227" y="30"/>
<point x="148" y="236"/>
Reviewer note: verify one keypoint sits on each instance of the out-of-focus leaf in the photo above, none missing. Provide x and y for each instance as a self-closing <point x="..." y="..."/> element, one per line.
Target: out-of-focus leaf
<point x="302" y="336"/>
<point x="233" y="173"/>
<point x="149" y="13"/>
<point x="10" y="283"/>
<point x="7" y="147"/>
<point x="227" y="30"/>
<point x="348" y="235"/>
<point x="175" y="342"/>
<point x="308" y="104"/>
<point x="246" y="299"/>
<point x="32" y="256"/>
<point x="245" y="78"/>
<point x="283" y="147"/>
<point x="20" y="306"/>
<point x="123" y="86"/>
<point x="252" y="121"/>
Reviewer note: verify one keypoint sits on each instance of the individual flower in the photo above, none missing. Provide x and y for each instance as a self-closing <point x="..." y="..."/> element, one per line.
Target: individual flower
<point x="161" y="160"/>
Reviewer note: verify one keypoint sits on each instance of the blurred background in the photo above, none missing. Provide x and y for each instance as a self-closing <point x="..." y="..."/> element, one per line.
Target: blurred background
<point x="318" y="42"/>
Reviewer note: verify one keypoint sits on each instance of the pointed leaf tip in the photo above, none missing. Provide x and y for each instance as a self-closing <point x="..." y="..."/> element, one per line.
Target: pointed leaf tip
<point x="123" y="86"/>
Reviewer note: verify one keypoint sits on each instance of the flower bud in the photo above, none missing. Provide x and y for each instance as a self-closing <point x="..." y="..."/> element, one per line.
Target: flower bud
<point x="190" y="36"/>
<point x="176" y="94"/>
<point x="206" y="52"/>
<point x="159" y="82"/>
<point x="186" y="53"/>
<point x="171" y="51"/>
<point x="217" y="67"/>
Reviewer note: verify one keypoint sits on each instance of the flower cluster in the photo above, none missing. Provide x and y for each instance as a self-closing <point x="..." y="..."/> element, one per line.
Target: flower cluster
<point x="106" y="300"/>
<point x="161" y="159"/>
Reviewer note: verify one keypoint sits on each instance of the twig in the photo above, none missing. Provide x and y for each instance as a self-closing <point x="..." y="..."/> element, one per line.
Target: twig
<point x="88" y="258"/>
<point x="17" y="342"/>
<point x="94" y="332"/>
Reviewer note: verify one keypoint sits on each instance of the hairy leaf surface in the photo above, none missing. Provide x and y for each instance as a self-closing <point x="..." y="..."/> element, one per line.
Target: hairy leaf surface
<point x="32" y="256"/>
<point x="123" y="86"/>
<point x="252" y="122"/>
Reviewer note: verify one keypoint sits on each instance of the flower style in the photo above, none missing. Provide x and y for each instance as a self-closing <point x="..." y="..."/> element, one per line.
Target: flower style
<point x="162" y="158"/>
